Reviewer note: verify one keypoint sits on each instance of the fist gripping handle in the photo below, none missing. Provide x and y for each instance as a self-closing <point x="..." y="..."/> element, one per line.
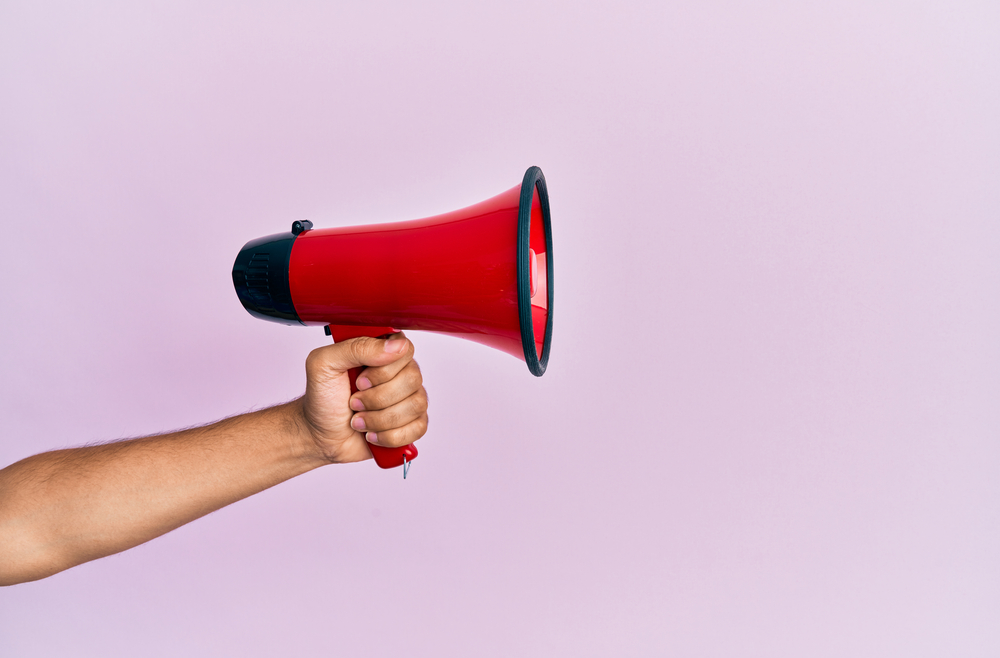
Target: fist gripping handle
<point x="384" y="457"/>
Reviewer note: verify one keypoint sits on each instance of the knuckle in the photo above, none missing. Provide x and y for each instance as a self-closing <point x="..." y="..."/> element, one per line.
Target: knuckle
<point x="383" y="396"/>
<point x="391" y="438"/>
<point x="357" y="348"/>
<point x="374" y="399"/>
<point x="403" y="388"/>
<point x="413" y="374"/>
<point x="386" y="419"/>
<point x="314" y="360"/>
<point x="393" y="418"/>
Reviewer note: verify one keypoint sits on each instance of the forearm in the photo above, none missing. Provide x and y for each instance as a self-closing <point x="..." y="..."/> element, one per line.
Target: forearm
<point x="66" y="507"/>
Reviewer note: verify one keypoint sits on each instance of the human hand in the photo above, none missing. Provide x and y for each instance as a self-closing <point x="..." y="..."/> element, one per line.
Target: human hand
<point x="389" y="409"/>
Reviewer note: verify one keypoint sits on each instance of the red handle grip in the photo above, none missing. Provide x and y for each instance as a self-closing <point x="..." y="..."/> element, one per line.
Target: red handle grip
<point x="384" y="457"/>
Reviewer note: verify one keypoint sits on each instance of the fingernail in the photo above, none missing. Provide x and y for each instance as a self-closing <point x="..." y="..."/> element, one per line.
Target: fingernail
<point x="357" y="404"/>
<point x="363" y="384"/>
<point x="395" y="346"/>
<point x="372" y="437"/>
<point x="358" y="423"/>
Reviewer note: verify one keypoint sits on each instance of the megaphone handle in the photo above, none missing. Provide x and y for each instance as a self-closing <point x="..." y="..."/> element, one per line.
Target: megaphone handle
<point x="384" y="457"/>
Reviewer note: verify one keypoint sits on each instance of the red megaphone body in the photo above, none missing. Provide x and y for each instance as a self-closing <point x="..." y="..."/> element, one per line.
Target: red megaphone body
<point x="483" y="273"/>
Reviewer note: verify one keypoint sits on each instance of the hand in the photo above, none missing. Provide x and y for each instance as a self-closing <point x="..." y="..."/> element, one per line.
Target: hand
<point x="389" y="409"/>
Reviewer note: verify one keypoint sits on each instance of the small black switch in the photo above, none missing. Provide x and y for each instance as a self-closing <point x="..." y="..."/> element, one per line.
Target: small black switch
<point x="300" y="225"/>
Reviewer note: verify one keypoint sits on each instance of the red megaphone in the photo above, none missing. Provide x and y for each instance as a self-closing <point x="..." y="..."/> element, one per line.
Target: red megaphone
<point x="483" y="273"/>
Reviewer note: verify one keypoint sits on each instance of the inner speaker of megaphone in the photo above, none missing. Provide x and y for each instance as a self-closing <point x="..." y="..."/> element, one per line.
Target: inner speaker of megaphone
<point x="482" y="273"/>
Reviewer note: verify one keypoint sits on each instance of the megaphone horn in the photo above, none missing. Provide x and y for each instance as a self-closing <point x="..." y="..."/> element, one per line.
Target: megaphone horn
<point x="483" y="273"/>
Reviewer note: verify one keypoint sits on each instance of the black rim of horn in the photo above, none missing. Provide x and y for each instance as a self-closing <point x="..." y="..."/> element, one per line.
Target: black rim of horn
<point x="534" y="181"/>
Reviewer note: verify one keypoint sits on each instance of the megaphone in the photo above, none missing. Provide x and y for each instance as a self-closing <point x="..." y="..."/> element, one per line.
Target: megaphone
<point x="483" y="273"/>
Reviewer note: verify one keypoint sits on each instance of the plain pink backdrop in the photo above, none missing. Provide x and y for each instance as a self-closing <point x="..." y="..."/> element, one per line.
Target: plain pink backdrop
<point x="770" y="422"/>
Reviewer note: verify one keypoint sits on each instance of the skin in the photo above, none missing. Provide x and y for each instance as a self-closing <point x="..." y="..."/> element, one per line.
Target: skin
<point x="63" y="508"/>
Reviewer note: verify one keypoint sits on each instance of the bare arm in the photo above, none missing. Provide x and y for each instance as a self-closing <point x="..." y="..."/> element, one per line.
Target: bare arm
<point x="62" y="508"/>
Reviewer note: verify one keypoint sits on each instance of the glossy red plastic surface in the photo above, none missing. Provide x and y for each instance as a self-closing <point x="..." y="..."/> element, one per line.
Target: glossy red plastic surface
<point x="384" y="457"/>
<point x="454" y="273"/>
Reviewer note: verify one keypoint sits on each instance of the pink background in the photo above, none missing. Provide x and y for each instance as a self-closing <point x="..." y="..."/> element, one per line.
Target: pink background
<point x="770" y="423"/>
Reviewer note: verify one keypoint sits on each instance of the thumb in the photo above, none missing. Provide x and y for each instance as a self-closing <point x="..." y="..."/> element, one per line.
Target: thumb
<point x="333" y="360"/>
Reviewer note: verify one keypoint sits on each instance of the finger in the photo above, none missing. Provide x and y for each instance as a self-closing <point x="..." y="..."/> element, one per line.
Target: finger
<point x="379" y="374"/>
<point x="392" y="417"/>
<point x="397" y="389"/>
<point x="332" y="360"/>
<point x="400" y="436"/>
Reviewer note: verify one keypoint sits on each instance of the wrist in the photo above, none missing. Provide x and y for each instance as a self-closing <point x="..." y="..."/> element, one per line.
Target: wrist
<point x="305" y="444"/>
